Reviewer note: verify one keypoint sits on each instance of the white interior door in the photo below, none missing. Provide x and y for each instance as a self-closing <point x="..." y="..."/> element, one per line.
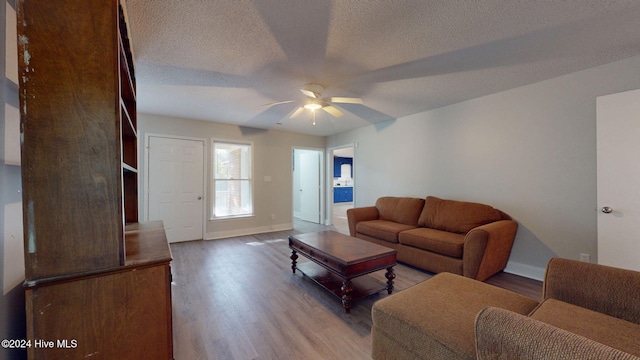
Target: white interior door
<point x="176" y="186"/>
<point x="309" y="166"/>
<point x="618" y="139"/>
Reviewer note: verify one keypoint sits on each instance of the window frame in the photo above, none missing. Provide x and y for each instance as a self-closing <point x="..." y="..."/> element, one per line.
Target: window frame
<point x="213" y="180"/>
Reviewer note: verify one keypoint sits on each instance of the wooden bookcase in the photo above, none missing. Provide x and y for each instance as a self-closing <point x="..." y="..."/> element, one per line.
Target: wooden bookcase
<point x="128" y="124"/>
<point x="92" y="273"/>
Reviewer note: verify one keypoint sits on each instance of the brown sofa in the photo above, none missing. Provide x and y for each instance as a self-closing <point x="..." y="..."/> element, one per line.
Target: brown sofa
<point x="466" y="238"/>
<point x="588" y="311"/>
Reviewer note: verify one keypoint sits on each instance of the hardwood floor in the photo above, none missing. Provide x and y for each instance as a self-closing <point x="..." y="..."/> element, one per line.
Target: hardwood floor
<point x="339" y="216"/>
<point x="237" y="298"/>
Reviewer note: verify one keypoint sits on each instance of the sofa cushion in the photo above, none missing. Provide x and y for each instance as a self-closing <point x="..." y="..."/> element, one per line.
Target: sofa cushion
<point x="574" y="282"/>
<point x="403" y="210"/>
<point x="382" y="229"/>
<point x="438" y="241"/>
<point x="608" y="330"/>
<point x="435" y="318"/>
<point x="456" y="216"/>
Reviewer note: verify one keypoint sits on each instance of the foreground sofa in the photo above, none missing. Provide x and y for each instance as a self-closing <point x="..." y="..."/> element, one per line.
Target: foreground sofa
<point x="437" y="235"/>
<point x="588" y="311"/>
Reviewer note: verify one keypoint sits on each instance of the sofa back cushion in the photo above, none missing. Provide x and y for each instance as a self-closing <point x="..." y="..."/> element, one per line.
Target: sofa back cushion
<point x="403" y="210"/>
<point x="608" y="330"/>
<point x="456" y="216"/>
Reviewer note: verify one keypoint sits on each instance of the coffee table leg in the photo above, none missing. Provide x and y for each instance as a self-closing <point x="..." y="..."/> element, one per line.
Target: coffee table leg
<point x="293" y="257"/>
<point x="390" y="275"/>
<point x="347" y="289"/>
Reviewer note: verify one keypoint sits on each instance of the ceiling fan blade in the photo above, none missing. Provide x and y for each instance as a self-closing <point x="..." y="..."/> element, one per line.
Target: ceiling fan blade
<point x="297" y="112"/>
<point x="279" y="102"/>
<point x="346" y="100"/>
<point x="333" y="111"/>
<point x="309" y="93"/>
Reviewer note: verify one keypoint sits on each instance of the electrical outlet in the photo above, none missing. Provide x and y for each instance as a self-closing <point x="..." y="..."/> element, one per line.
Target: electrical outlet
<point x="585" y="257"/>
<point x="273" y="216"/>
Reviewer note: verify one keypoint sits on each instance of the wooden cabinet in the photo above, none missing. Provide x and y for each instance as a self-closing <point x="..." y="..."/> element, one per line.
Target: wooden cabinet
<point x="72" y="173"/>
<point x="118" y="314"/>
<point x="83" y="251"/>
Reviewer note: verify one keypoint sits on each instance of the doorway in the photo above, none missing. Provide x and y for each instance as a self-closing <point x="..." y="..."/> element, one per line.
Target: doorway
<point x="307" y="189"/>
<point x="175" y="186"/>
<point x="342" y="186"/>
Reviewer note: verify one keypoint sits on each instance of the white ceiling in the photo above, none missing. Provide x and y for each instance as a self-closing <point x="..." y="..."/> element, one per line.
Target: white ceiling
<point x="223" y="60"/>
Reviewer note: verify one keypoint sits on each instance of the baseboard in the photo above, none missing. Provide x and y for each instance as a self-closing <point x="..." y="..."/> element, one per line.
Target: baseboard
<point x="515" y="268"/>
<point x="245" y="232"/>
<point x="524" y="270"/>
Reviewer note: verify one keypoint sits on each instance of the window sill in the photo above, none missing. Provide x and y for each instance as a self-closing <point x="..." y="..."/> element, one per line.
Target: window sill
<point x="231" y="217"/>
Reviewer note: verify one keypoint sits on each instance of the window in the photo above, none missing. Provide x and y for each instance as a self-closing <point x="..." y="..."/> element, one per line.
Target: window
<point x="232" y="180"/>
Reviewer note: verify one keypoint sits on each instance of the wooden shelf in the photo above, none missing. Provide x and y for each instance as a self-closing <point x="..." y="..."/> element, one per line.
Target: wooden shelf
<point x="362" y="286"/>
<point x="128" y="168"/>
<point x="146" y="243"/>
<point x="128" y="126"/>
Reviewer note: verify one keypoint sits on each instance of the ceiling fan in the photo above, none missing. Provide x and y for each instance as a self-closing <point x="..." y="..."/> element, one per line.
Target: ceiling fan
<point x="314" y="101"/>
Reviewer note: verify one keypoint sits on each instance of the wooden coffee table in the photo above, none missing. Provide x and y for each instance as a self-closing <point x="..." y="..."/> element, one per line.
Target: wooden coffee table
<point x="338" y="259"/>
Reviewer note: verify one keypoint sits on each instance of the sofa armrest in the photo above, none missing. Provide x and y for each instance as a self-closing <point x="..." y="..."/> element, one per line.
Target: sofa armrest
<point x="355" y="215"/>
<point x="600" y="288"/>
<point x="503" y="334"/>
<point x="487" y="249"/>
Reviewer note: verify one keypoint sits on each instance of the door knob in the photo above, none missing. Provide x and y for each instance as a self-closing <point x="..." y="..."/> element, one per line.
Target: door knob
<point x="199" y="197"/>
<point x="607" y="210"/>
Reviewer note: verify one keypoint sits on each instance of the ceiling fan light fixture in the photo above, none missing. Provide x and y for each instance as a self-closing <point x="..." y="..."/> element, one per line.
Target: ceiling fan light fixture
<point x="313" y="106"/>
<point x="314" y="101"/>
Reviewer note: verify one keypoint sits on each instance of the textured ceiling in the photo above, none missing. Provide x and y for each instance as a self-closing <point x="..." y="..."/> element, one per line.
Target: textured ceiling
<point x="224" y="60"/>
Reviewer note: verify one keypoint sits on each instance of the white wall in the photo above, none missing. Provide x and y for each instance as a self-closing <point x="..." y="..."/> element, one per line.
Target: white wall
<point x="530" y="152"/>
<point x="12" y="300"/>
<point x="272" y="160"/>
